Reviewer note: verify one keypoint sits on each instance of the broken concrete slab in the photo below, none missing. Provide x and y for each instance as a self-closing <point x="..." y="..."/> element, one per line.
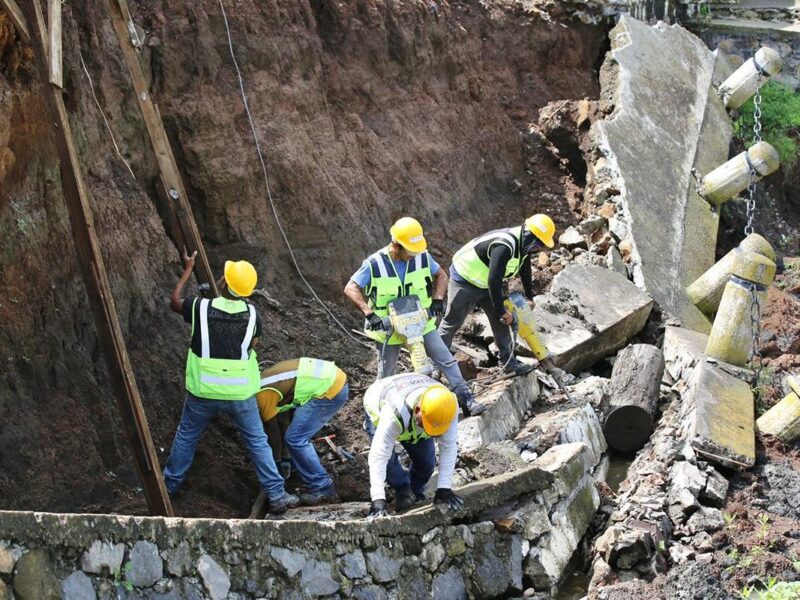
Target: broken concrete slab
<point x="722" y="426"/>
<point x="589" y="313"/>
<point x="578" y="424"/>
<point x="671" y="229"/>
<point x="507" y="402"/>
<point x="683" y="348"/>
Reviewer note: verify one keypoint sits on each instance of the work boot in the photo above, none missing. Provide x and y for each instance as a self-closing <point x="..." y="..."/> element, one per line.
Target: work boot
<point x="518" y="368"/>
<point x="404" y="499"/>
<point x="327" y="495"/>
<point x="283" y="503"/>
<point x="469" y="406"/>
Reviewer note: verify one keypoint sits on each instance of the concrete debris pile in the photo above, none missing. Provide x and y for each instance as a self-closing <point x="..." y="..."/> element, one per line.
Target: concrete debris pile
<point x="668" y="508"/>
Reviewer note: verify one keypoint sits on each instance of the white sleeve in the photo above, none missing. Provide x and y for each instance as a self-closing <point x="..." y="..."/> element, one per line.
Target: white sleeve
<point x="448" y="452"/>
<point x="380" y="451"/>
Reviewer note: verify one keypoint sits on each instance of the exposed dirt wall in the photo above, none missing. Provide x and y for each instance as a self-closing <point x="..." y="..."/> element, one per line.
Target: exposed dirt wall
<point x="366" y="109"/>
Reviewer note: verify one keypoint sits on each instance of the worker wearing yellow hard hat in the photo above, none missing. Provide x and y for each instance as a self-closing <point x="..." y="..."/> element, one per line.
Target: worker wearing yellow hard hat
<point x="415" y="410"/>
<point x="478" y="272"/>
<point x="406" y="268"/>
<point x="222" y="375"/>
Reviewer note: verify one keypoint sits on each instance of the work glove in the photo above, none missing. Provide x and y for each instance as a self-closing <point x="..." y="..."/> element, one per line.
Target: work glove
<point x="374" y="322"/>
<point x="448" y="497"/>
<point x="377" y="509"/>
<point x="437" y="308"/>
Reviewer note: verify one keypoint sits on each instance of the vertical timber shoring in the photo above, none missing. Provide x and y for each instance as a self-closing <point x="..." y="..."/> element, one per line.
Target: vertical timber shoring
<point x="172" y="190"/>
<point x="95" y="278"/>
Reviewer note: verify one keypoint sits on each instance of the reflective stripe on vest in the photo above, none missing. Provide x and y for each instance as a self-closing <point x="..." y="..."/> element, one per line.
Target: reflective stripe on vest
<point x="314" y="378"/>
<point x="403" y="403"/>
<point x="385" y="286"/>
<point x="221" y="378"/>
<point x="468" y="264"/>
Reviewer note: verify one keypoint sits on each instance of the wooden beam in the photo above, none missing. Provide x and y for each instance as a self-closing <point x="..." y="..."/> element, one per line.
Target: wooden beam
<point x="101" y="300"/>
<point x="54" y="29"/>
<point x="173" y="194"/>
<point x="17" y="18"/>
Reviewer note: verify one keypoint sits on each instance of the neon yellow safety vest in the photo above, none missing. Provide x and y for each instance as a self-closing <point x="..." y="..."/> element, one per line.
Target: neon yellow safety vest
<point x="469" y="265"/>
<point x="314" y="378"/>
<point x="223" y="378"/>
<point x="403" y="395"/>
<point x="386" y="286"/>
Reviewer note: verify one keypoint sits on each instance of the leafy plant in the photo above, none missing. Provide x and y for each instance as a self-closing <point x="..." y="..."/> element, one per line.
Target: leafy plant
<point x="773" y="590"/>
<point x="730" y="520"/>
<point x="120" y="577"/>
<point x="780" y="121"/>
<point x="763" y="526"/>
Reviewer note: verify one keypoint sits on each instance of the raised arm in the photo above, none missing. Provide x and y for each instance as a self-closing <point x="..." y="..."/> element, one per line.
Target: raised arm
<point x="176" y="301"/>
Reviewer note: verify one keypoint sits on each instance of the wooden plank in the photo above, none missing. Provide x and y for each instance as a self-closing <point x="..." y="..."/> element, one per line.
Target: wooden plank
<point x="17" y="18"/>
<point x="101" y="300"/>
<point x="54" y="29"/>
<point x="173" y="190"/>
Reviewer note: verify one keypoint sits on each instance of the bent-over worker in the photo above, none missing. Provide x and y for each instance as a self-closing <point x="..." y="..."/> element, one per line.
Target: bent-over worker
<point x="415" y="410"/>
<point x="405" y="268"/>
<point x="477" y="275"/>
<point x="316" y="389"/>
<point x="222" y="375"/>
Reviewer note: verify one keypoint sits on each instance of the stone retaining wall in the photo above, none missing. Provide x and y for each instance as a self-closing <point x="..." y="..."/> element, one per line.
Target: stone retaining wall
<point x="516" y="530"/>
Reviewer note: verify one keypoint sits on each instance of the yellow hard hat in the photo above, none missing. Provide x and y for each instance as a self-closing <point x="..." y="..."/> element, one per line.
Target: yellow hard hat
<point x="408" y="233"/>
<point x="438" y="407"/>
<point x="241" y="277"/>
<point x="542" y="227"/>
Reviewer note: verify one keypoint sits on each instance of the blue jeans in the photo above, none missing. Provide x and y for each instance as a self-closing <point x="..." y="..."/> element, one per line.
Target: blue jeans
<point x="423" y="461"/>
<point x="197" y="414"/>
<point x="307" y="421"/>
<point x="438" y="353"/>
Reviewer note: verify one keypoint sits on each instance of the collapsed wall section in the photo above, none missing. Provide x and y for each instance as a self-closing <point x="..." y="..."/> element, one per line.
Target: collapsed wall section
<point x="666" y="122"/>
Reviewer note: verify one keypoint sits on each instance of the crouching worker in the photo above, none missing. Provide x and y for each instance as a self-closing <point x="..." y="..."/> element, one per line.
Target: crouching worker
<point x="222" y="375"/>
<point x="414" y="410"/>
<point x="315" y="389"/>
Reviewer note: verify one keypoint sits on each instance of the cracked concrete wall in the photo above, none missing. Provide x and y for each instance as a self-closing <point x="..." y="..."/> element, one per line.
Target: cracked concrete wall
<point x="524" y="524"/>
<point x="666" y="121"/>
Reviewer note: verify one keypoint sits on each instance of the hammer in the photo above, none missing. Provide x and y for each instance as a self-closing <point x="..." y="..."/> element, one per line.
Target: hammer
<point x="343" y="454"/>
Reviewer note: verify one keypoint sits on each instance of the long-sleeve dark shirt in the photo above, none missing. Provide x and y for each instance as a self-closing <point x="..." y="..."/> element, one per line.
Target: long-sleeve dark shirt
<point x="499" y="255"/>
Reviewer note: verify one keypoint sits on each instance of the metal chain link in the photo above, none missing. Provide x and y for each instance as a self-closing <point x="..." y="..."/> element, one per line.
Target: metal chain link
<point x="756" y="360"/>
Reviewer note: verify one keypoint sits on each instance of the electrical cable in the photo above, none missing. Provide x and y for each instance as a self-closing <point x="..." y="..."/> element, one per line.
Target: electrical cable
<point x="269" y="192"/>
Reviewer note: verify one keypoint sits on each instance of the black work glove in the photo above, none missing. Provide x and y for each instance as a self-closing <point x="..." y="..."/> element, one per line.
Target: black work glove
<point x="377" y="509"/>
<point x="448" y="497"/>
<point x="374" y="322"/>
<point x="437" y="308"/>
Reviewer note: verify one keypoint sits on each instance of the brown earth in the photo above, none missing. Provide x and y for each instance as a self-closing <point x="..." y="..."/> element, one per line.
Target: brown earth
<point x="367" y="110"/>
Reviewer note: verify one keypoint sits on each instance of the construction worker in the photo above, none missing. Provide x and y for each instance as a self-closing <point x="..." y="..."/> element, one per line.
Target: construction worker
<point x="222" y="375"/>
<point x="405" y="268"/>
<point x="478" y="272"/>
<point x="315" y="389"/>
<point x="415" y="410"/>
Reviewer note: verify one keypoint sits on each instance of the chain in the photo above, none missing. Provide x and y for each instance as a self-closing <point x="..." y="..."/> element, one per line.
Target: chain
<point x="756" y="360"/>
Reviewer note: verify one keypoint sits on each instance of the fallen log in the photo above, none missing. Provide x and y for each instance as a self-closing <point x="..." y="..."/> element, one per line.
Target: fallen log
<point x="633" y="390"/>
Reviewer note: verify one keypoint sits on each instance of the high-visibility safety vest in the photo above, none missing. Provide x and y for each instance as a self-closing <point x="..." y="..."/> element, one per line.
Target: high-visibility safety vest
<point x="469" y="265"/>
<point x="386" y="286"/>
<point x="314" y="378"/>
<point x="403" y="393"/>
<point x="223" y="378"/>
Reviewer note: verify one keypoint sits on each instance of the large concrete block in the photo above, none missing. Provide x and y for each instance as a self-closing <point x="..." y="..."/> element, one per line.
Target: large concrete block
<point x="667" y="120"/>
<point x="507" y="402"/>
<point x="722" y="428"/>
<point x="590" y="313"/>
<point x="578" y="424"/>
<point x="683" y="348"/>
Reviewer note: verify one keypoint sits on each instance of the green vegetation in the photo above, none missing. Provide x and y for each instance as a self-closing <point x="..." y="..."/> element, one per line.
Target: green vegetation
<point x="120" y="579"/>
<point x="780" y="121"/>
<point x="773" y="590"/>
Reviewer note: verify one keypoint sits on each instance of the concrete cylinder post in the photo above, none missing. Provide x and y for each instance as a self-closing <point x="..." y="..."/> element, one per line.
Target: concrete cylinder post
<point x="727" y="180"/>
<point x="706" y="291"/>
<point x="731" y="338"/>
<point x="742" y="84"/>
<point x="783" y="419"/>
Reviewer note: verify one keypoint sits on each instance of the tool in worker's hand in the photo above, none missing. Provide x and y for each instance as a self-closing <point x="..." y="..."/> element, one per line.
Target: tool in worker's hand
<point x="526" y="325"/>
<point x="408" y="319"/>
<point x="343" y="454"/>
